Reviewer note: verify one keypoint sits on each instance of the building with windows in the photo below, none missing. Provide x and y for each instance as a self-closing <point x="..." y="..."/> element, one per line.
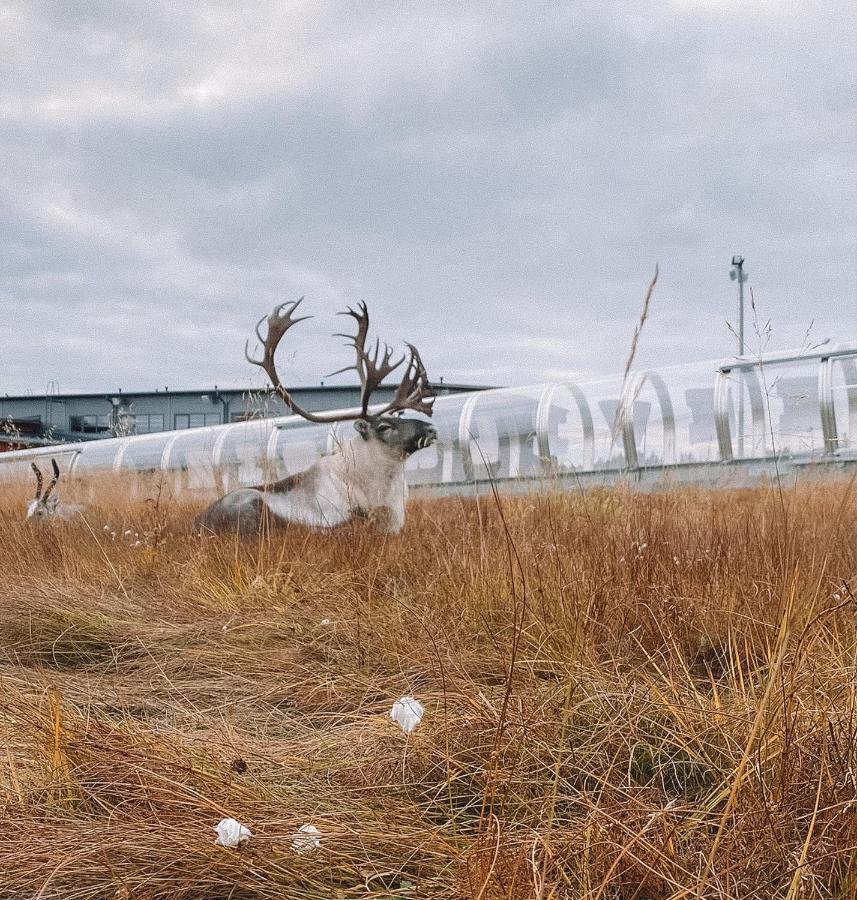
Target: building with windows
<point x="34" y="420"/>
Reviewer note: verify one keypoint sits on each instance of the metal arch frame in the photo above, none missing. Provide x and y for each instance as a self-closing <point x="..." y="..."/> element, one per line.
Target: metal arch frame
<point x="625" y="416"/>
<point x="217" y="449"/>
<point x="721" y="416"/>
<point x="750" y="380"/>
<point x="543" y="422"/>
<point x="847" y="358"/>
<point x="120" y="452"/>
<point x="826" y="408"/>
<point x="849" y="364"/>
<point x="465" y="434"/>
<point x="167" y="452"/>
<point x="220" y="443"/>
<point x="271" y="450"/>
<point x="465" y="420"/>
<point x="757" y="406"/>
<point x="73" y="464"/>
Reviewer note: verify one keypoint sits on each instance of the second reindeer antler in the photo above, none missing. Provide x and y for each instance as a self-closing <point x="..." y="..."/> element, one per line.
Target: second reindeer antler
<point x="372" y="367"/>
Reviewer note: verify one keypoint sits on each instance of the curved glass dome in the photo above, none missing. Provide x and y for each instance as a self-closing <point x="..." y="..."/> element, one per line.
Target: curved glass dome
<point x="800" y="406"/>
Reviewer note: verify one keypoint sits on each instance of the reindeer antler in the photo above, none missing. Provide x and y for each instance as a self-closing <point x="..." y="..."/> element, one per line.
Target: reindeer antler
<point x="279" y="323"/>
<point x="414" y="391"/>
<point x="39" y="482"/>
<point x="54" y="480"/>
<point x="372" y="366"/>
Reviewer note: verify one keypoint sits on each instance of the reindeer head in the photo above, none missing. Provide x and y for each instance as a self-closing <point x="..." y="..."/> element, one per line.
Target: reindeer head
<point x="43" y="506"/>
<point x="401" y="437"/>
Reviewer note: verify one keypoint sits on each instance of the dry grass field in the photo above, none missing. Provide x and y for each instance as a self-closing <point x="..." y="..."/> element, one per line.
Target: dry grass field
<point x="626" y="696"/>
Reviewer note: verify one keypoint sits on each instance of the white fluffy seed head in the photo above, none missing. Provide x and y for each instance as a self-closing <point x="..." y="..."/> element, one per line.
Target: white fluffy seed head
<point x="307" y="839"/>
<point x="407" y="713"/>
<point x="231" y="833"/>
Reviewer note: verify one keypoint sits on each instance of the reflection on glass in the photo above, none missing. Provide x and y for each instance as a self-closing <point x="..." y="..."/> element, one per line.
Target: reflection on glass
<point x="844" y="391"/>
<point x="299" y="444"/>
<point x="502" y="434"/>
<point x="443" y="462"/>
<point x="243" y="457"/>
<point x="98" y="455"/>
<point x="681" y="414"/>
<point x="190" y="458"/>
<point x="144" y="454"/>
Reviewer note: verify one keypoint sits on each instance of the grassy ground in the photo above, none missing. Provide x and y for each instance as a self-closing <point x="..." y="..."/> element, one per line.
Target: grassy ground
<point x="626" y="697"/>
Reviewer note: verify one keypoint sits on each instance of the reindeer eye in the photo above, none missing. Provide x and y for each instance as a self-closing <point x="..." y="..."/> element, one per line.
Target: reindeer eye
<point x="384" y="427"/>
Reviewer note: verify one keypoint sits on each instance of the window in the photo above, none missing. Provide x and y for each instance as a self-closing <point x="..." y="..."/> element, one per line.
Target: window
<point x="147" y="423"/>
<point x="93" y="424"/>
<point x="196" y="420"/>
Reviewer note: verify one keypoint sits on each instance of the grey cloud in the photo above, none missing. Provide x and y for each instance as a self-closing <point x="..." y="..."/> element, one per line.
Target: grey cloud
<point x="496" y="185"/>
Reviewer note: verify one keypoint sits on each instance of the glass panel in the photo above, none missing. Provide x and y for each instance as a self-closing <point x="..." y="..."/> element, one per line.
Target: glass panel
<point x="844" y="384"/>
<point x="795" y="411"/>
<point x="654" y="425"/>
<point x="774" y="409"/>
<point x="13" y="468"/>
<point x="602" y="397"/>
<point x="145" y="453"/>
<point x="89" y="424"/>
<point x="15" y="465"/>
<point x="195" y="420"/>
<point x="503" y="441"/>
<point x="691" y="393"/>
<point x="147" y="423"/>
<point x="191" y="459"/>
<point x="442" y="462"/>
<point x="569" y="434"/>
<point x="98" y="455"/>
<point x="243" y="459"/>
<point x="299" y="445"/>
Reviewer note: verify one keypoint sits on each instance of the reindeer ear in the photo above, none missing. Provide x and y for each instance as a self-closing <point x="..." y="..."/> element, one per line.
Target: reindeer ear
<point x="361" y="426"/>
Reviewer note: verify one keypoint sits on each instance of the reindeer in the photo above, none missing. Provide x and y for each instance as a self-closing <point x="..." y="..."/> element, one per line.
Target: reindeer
<point x="43" y="506"/>
<point x="364" y="478"/>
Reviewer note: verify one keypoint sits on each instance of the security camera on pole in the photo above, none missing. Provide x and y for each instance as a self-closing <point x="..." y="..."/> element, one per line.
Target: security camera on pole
<point x="737" y="273"/>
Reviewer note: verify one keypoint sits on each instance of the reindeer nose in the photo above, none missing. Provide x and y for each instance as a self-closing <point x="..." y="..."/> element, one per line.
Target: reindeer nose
<point x="431" y="435"/>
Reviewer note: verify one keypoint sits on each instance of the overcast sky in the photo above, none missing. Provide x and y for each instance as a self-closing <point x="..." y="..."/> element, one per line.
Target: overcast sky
<point x="496" y="180"/>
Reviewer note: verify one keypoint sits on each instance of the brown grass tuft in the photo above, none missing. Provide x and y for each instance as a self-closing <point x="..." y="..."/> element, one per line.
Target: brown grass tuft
<point x="627" y="696"/>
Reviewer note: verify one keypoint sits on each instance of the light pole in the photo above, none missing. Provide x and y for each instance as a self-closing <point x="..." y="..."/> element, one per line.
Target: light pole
<point x="737" y="273"/>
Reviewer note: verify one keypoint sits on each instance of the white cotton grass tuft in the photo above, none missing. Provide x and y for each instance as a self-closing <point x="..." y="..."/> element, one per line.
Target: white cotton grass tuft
<point x="307" y="839"/>
<point x="326" y="622"/>
<point x="231" y="833"/>
<point x="407" y="713"/>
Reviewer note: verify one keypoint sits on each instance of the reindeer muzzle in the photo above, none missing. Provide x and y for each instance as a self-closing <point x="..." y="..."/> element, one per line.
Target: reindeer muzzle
<point x="427" y="439"/>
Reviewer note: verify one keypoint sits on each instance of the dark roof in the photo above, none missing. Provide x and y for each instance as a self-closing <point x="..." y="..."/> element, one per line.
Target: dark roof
<point x="324" y="388"/>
